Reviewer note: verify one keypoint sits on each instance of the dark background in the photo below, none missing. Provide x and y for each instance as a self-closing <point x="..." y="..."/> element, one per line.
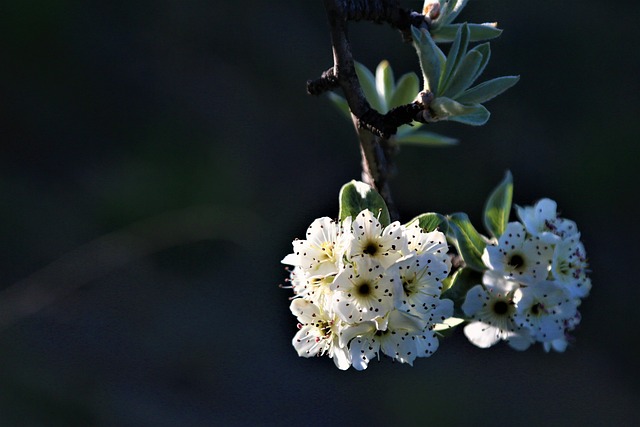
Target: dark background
<point x="158" y="157"/>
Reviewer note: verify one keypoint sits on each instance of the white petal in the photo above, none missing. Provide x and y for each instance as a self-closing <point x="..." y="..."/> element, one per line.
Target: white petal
<point x="520" y="340"/>
<point x="482" y="335"/>
<point x="342" y="358"/>
<point x="400" y="346"/>
<point x="475" y="299"/>
<point x="426" y="344"/>
<point x="306" y="342"/>
<point x="349" y="332"/>
<point x="305" y="311"/>
<point x="362" y="350"/>
<point x="291" y="259"/>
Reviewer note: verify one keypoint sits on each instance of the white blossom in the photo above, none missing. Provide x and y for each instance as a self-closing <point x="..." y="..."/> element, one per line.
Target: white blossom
<point x="395" y="339"/>
<point x="419" y="285"/>
<point x="542" y="221"/>
<point x="519" y="256"/>
<point x="368" y="239"/>
<point x="491" y="308"/>
<point x="569" y="266"/>
<point x="543" y="308"/>
<point x="363" y="291"/>
<point x="318" y="333"/>
<point x="419" y="241"/>
<point x="319" y="253"/>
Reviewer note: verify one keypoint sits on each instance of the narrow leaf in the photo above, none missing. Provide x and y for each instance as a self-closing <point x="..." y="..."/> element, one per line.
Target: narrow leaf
<point x="385" y="84"/>
<point x="478" y="32"/>
<point x="474" y="115"/>
<point x="431" y="221"/>
<point x="357" y="196"/>
<point x="448" y="109"/>
<point x="467" y="240"/>
<point x="454" y="57"/>
<point x="368" y="84"/>
<point x="464" y="75"/>
<point x="488" y="90"/>
<point x="485" y="31"/>
<point x="340" y="103"/>
<point x="457" y="8"/>
<point x="498" y="207"/>
<point x="430" y="57"/>
<point x="406" y="90"/>
<point x="463" y="280"/>
<point x="425" y="138"/>
<point x="485" y="50"/>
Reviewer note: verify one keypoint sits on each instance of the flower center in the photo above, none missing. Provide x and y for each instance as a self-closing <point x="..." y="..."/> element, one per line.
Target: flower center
<point x="516" y="261"/>
<point x="327" y="251"/>
<point x="364" y="289"/>
<point x="537" y="309"/>
<point x="370" y="248"/>
<point x="500" y="307"/>
<point x="409" y="286"/>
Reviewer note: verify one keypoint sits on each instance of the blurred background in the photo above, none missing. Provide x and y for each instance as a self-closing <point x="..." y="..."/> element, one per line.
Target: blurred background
<point x="158" y="157"/>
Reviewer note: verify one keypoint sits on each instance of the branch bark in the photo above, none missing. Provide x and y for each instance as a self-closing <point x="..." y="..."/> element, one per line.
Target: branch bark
<point x="374" y="129"/>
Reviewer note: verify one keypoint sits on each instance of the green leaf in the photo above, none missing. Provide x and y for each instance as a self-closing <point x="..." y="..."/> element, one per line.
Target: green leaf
<point x="483" y="49"/>
<point x="456" y="53"/>
<point x="340" y="103"/>
<point x="463" y="280"/>
<point x="498" y="207"/>
<point x="477" y="32"/>
<point x="464" y="75"/>
<point x="488" y="90"/>
<point x="385" y="84"/>
<point x="485" y="31"/>
<point x="467" y="240"/>
<point x="368" y="84"/>
<point x="424" y="138"/>
<point x="431" y="221"/>
<point x="357" y="196"/>
<point x="455" y="11"/>
<point x="406" y="90"/>
<point x="448" y="109"/>
<point x="431" y="58"/>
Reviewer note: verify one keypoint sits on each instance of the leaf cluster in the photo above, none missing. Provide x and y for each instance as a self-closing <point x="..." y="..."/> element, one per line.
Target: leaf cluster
<point x="384" y="92"/>
<point x="450" y="78"/>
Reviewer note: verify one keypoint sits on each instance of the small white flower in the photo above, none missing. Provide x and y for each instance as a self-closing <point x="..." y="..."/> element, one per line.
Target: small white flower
<point x="561" y="344"/>
<point x="570" y="266"/>
<point x="419" y="285"/>
<point x="369" y="240"/>
<point x="542" y="221"/>
<point x="543" y="308"/>
<point x="396" y="339"/>
<point x="318" y="333"/>
<point x="519" y="256"/>
<point x="317" y="289"/>
<point x="491" y="309"/>
<point x="420" y="242"/>
<point x="363" y="291"/>
<point x="318" y="254"/>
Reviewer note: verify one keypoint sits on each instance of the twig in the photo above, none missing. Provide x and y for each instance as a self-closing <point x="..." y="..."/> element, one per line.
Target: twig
<point x="374" y="129"/>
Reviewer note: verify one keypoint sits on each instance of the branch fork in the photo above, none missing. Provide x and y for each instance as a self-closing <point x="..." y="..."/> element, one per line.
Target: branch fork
<point x="374" y="129"/>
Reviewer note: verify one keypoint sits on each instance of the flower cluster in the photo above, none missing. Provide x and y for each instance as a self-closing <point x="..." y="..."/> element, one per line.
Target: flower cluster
<point x="536" y="279"/>
<point x="362" y="288"/>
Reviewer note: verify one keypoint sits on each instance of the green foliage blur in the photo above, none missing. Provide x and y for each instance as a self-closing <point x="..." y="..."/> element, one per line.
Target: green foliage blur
<point x="157" y="158"/>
